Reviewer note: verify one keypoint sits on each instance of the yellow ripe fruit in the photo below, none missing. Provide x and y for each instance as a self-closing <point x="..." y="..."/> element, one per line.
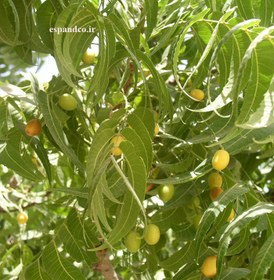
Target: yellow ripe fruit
<point x="152" y="234"/>
<point x="133" y="241"/>
<point x="231" y="216"/>
<point x="215" y="180"/>
<point x="197" y="94"/>
<point x="33" y="127"/>
<point x="22" y="218"/>
<point x="220" y="160"/>
<point x="89" y="57"/>
<point x="116" y="141"/>
<point x="215" y="192"/>
<point x="156" y="129"/>
<point x="166" y="192"/>
<point x="209" y="266"/>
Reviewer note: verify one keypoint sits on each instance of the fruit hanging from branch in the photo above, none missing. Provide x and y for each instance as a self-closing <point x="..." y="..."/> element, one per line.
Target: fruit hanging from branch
<point x="133" y="241"/>
<point x="220" y="160"/>
<point x="215" y="180"/>
<point x="166" y="192"/>
<point x="67" y="102"/>
<point x="22" y="218"/>
<point x="116" y="141"/>
<point x="33" y="127"/>
<point x="197" y="94"/>
<point x="209" y="266"/>
<point x="89" y="57"/>
<point x="152" y="234"/>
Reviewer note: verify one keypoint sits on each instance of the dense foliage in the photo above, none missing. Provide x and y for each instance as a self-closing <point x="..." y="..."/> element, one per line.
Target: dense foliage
<point x="84" y="156"/>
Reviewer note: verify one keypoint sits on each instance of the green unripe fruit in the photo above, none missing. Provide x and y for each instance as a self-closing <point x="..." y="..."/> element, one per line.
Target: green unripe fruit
<point x="215" y="180"/>
<point x="67" y="102"/>
<point x="89" y="57"/>
<point x="152" y="234"/>
<point x="133" y="241"/>
<point x="166" y="192"/>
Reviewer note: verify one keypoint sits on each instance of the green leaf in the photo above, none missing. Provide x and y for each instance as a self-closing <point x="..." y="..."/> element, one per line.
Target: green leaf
<point x="179" y="258"/>
<point x="46" y="18"/>
<point x="36" y="271"/>
<point x="135" y="180"/>
<point x="235" y="227"/>
<point x="215" y="209"/>
<point x="98" y="154"/>
<point x="57" y="266"/>
<point x="185" y="177"/>
<point x="240" y="244"/>
<point x="98" y="208"/>
<point x="260" y="52"/>
<point x="129" y="211"/>
<point x="50" y="113"/>
<point x="180" y="40"/>
<point x="107" y="47"/>
<point x="23" y="12"/>
<point x="98" y="149"/>
<point x="263" y="260"/>
<point x="234" y="273"/>
<point x="263" y="116"/>
<point x="8" y="35"/>
<point x="239" y="139"/>
<point x="43" y="157"/>
<point x="66" y="69"/>
<point x="266" y="12"/>
<point x="83" y="192"/>
<point x="228" y="61"/>
<point x="71" y="235"/>
<point x="162" y="92"/>
<point x="151" y="10"/>
<point x="245" y="8"/>
<point x="11" y="157"/>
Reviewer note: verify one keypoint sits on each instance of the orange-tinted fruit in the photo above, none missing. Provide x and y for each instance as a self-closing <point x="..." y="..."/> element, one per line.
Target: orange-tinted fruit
<point x="33" y="127"/>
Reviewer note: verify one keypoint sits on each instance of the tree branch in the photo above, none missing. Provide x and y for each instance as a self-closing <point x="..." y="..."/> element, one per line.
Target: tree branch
<point x="104" y="266"/>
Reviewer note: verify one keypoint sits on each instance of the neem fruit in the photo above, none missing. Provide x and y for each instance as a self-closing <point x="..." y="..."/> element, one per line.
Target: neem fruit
<point x="22" y="218"/>
<point x="116" y="141"/>
<point x="209" y="266"/>
<point x="33" y="127"/>
<point x="215" y="192"/>
<point x="166" y="192"/>
<point x="220" y="160"/>
<point x="89" y="57"/>
<point x="67" y="102"/>
<point x="197" y="94"/>
<point x="152" y="234"/>
<point x="133" y="241"/>
<point x="215" y="180"/>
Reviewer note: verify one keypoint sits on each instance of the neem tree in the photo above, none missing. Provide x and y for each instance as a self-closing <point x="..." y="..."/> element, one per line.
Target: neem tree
<point x="149" y="155"/>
